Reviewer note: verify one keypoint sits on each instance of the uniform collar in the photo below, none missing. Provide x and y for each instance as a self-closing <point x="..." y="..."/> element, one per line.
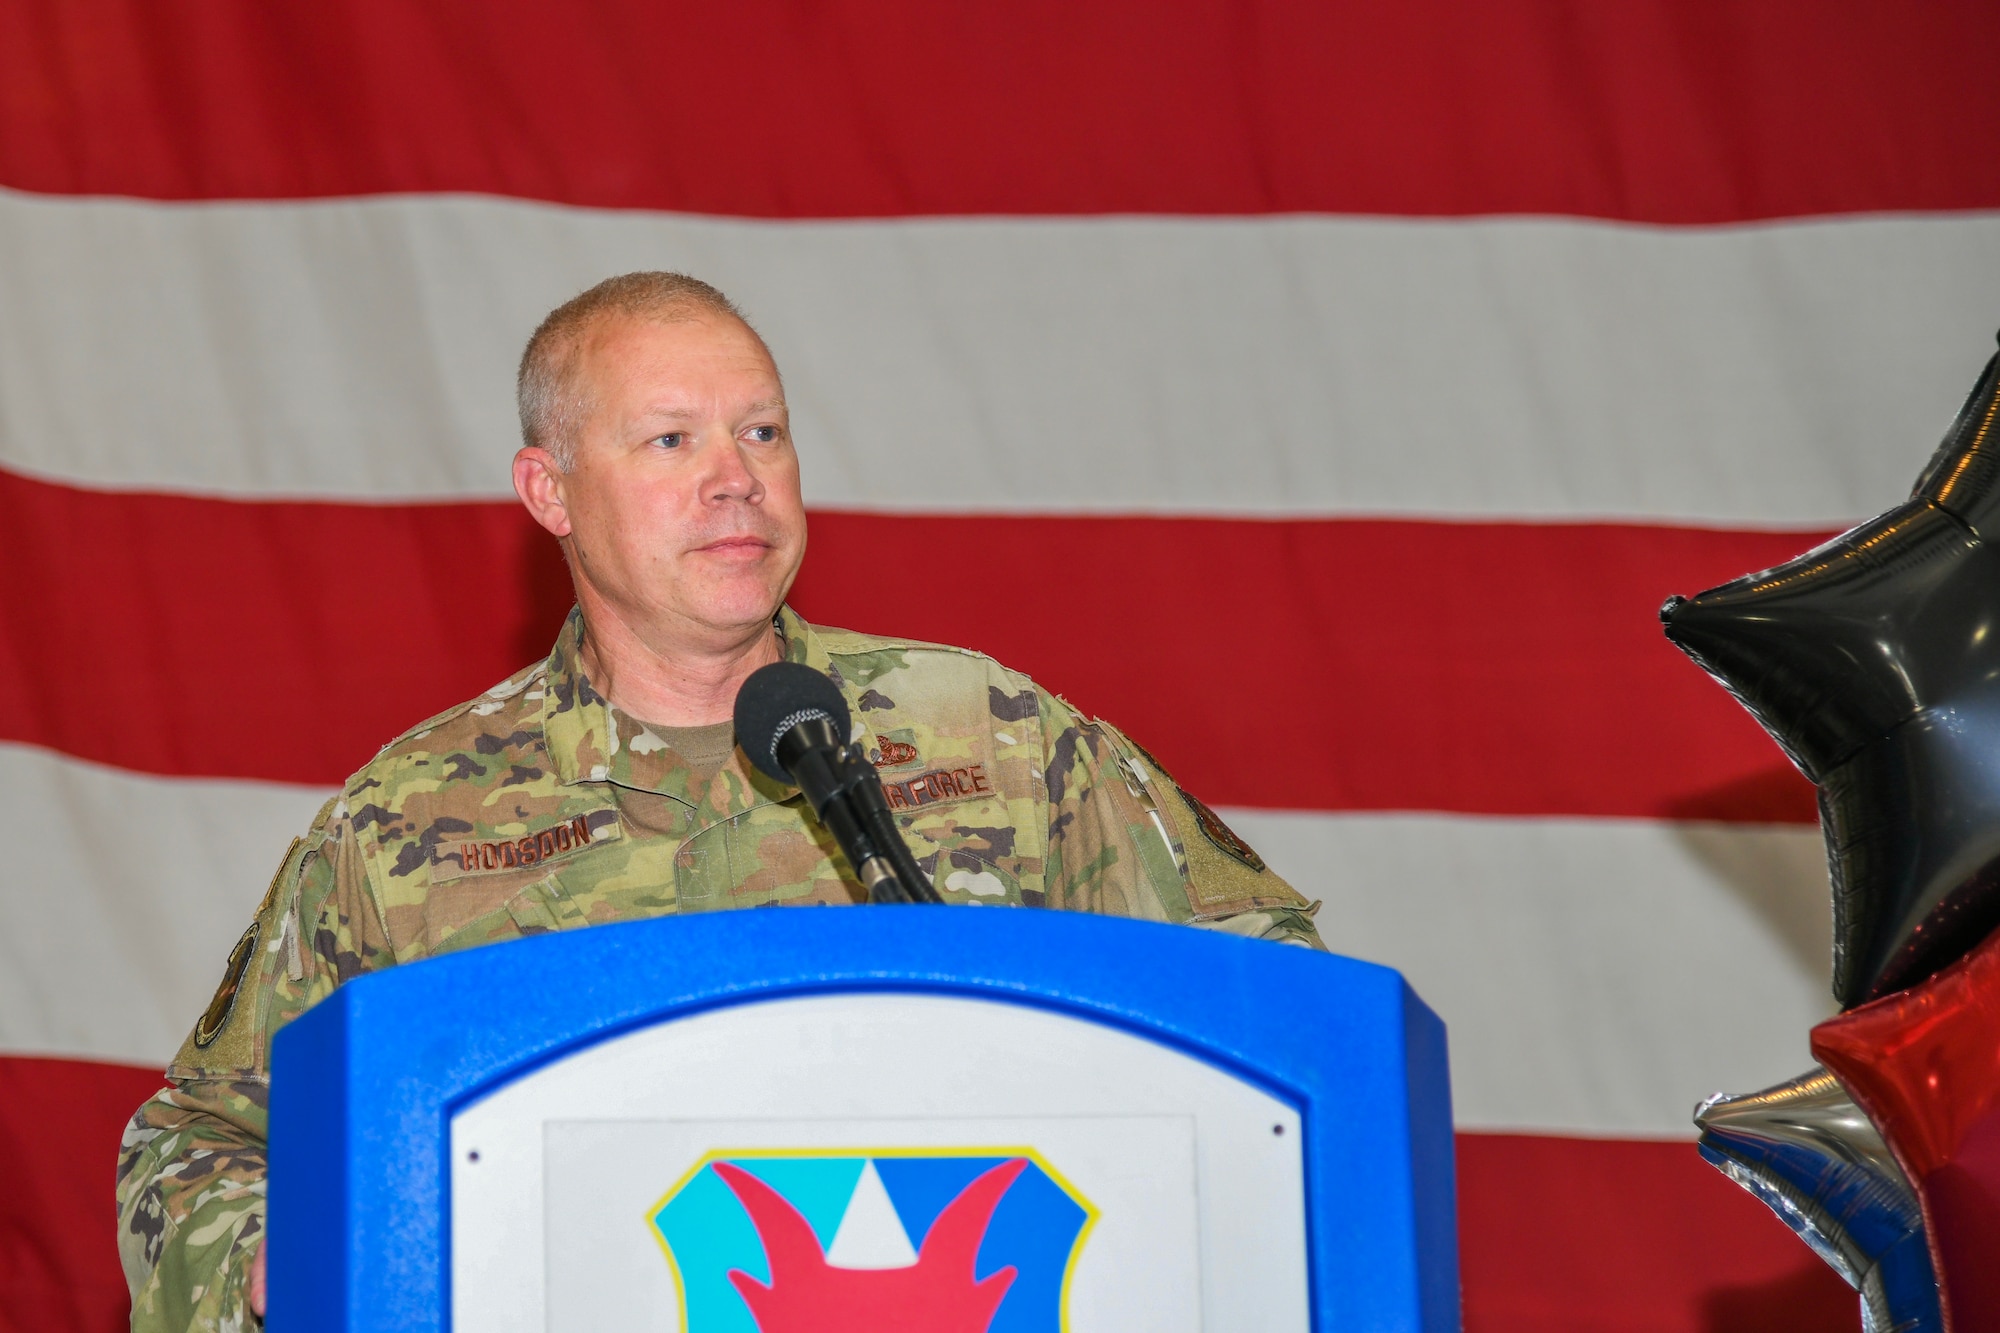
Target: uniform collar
<point x="590" y="741"/>
<point x="802" y="642"/>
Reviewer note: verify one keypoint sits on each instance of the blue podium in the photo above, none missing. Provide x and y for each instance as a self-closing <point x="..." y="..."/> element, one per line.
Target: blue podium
<point x="845" y="1120"/>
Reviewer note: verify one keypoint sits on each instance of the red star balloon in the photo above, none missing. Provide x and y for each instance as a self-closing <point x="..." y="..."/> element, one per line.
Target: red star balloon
<point x="1925" y="1065"/>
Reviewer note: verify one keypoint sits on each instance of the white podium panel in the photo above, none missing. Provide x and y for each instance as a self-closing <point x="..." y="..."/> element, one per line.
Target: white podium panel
<point x="738" y="1170"/>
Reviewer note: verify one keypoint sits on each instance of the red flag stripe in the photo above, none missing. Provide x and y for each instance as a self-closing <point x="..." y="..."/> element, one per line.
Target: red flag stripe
<point x="1656" y="110"/>
<point x="1682" y="1248"/>
<point x="1584" y="1235"/>
<point x="60" y="1122"/>
<point x="1332" y="665"/>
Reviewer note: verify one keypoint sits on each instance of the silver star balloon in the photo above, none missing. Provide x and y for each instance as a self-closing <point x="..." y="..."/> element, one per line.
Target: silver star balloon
<point x="1814" y="1158"/>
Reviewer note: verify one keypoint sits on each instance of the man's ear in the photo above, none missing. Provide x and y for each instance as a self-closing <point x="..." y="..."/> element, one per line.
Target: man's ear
<point x="539" y="483"/>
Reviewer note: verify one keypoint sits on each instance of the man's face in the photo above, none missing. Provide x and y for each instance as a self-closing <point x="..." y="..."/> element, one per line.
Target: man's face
<point x="683" y="503"/>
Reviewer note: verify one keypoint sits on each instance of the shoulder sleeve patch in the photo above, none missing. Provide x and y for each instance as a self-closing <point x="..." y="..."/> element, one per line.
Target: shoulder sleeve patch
<point x="214" y="1018"/>
<point x="1221" y="834"/>
<point x="215" y="1024"/>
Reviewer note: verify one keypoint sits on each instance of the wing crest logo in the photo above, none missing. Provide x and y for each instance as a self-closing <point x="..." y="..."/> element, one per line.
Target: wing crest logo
<point x="946" y="1241"/>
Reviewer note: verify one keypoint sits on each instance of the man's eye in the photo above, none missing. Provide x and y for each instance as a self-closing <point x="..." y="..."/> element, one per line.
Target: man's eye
<point x="673" y="439"/>
<point x="764" y="434"/>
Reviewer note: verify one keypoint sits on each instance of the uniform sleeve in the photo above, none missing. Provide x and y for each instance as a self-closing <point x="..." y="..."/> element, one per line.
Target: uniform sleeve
<point x="1126" y="840"/>
<point x="191" y="1168"/>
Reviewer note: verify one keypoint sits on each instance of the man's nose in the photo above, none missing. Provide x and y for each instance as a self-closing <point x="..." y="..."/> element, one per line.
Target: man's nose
<point x="729" y="475"/>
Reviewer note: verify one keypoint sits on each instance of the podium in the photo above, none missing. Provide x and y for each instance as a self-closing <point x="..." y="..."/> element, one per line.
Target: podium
<point x="838" y="1120"/>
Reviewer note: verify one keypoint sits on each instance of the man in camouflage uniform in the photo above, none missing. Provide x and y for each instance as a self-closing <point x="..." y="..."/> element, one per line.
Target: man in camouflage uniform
<point x="603" y="784"/>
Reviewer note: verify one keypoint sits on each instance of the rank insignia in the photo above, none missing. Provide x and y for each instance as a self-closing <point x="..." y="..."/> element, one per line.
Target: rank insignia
<point x="895" y="753"/>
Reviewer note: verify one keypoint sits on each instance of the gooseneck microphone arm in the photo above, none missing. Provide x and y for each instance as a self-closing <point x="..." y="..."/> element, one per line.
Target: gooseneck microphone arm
<point x="793" y="725"/>
<point x="844" y="791"/>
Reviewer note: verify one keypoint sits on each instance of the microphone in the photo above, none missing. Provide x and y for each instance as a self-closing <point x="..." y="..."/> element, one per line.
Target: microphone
<point x="793" y="725"/>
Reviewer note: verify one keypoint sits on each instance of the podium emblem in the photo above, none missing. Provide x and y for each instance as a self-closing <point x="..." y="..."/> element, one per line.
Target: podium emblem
<point x="960" y="1240"/>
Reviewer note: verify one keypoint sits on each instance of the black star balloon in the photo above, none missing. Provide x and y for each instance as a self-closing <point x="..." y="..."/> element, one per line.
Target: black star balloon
<point x="1874" y="660"/>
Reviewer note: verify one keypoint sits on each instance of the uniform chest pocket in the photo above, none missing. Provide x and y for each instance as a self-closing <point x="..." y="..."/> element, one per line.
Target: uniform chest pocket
<point x="486" y="911"/>
<point x="974" y="852"/>
<point x="772" y="855"/>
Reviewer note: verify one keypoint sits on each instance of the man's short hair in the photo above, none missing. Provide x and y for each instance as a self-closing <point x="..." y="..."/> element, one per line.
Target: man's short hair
<point x="551" y="398"/>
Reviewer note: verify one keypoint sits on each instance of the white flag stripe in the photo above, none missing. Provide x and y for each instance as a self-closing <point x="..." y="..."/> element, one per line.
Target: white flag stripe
<point x="1791" y="374"/>
<point x="125" y="894"/>
<point x="1597" y="976"/>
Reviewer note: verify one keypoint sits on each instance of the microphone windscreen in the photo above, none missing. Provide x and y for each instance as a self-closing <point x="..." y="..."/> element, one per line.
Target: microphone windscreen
<point x="777" y="698"/>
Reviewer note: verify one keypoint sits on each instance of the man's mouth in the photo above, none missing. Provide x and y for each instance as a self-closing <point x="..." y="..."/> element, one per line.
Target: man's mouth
<point x="742" y="545"/>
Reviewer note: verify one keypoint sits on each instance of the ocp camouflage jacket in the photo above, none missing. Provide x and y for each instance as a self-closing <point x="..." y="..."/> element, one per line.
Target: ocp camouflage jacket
<point x="538" y="807"/>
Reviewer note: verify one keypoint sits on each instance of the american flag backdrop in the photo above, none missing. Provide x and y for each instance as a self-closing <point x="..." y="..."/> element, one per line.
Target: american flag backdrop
<point x="1328" y="394"/>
